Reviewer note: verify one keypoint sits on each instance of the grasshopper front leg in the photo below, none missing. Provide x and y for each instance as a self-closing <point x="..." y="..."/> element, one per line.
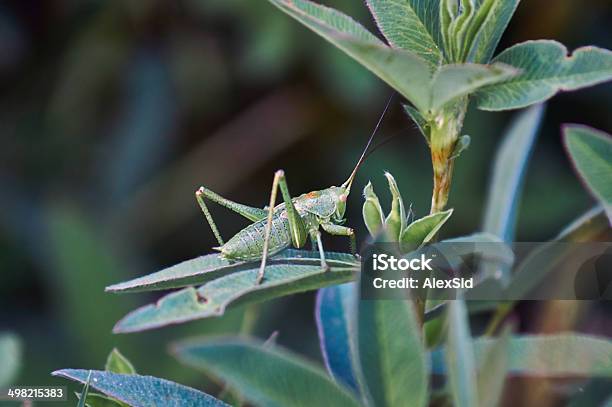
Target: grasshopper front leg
<point x="296" y="224"/>
<point x="316" y="236"/>
<point x="338" y="230"/>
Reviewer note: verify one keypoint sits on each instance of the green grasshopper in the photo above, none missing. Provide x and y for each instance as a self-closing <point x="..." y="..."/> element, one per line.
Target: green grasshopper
<point x="290" y="223"/>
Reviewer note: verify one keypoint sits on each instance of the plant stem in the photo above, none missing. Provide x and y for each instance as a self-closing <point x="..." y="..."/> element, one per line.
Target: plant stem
<point x="444" y="129"/>
<point x="444" y="133"/>
<point x="498" y="317"/>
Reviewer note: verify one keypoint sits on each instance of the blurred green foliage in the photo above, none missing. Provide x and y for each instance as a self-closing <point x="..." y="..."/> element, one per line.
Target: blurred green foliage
<point x="113" y="113"/>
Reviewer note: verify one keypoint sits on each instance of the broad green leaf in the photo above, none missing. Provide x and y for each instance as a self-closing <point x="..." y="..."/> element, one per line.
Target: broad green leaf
<point x="591" y="154"/>
<point x="460" y="357"/>
<point x="412" y="25"/>
<point x="85" y="392"/>
<point x="372" y="212"/>
<point x="487" y="27"/>
<point x="210" y="267"/>
<point x="117" y="363"/>
<point x="421" y="231"/>
<point x="509" y="167"/>
<point x="10" y="355"/>
<point x="559" y="355"/>
<point x="329" y="23"/>
<point x="237" y="288"/>
<point x="265" y="375"/>
<point x="392" y="353"/>
<point x="403" y="70"/>
<point x="337" y="336"/>
<point x="137" y="390"/>
<point x="492" y="371"/>
<point x="396" y="219"/>
<point x="546" y="69"/>
<point x="453" y="81"/>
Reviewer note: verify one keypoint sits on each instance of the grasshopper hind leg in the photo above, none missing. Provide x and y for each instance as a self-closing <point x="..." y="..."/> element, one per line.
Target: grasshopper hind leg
<point x="200" y="198"/>
<point x="296" y="224"/>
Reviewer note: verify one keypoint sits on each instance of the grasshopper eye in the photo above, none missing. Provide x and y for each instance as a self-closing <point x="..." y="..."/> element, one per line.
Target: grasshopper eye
<point x="343" y="197"/>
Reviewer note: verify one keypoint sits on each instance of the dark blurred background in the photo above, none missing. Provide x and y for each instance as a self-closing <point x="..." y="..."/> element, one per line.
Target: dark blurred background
<point x="113" y="112"/>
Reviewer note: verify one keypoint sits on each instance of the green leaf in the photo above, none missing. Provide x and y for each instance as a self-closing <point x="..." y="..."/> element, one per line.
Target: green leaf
<point x="591" y="154"/>
<point x="403" y="70"/>
<point x="392" y="353"/>
<point x="83" y="395"/>
<point x="546" y="69"/>
<point x="421" y="231"/>
<point x="559" y="356"/>
<point x="460" y="357"/>
<point x="396" y="219"/>
<point x="334" y="313"/>
<point x="237" y="288"/>
<point x="264" y="375"/>
<point x="508" y="173"/>
<point x="492" y="371"/>
<point x="210" y="267"/>
<point x="117" y="363"/>
<point x="487" y="27"/>
<point x="10" y="355"/>
<point x="411" y="25"/>
<point x="372" y="212"/>
<point x="453" y="81"/>
<point x="137" y="390"/>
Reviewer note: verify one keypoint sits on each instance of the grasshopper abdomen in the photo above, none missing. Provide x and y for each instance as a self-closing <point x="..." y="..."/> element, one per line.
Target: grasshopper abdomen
<point x="248" y="243"/>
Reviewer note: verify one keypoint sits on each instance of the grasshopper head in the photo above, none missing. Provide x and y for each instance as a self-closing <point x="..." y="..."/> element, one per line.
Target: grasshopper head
<point x="341" y="195"/>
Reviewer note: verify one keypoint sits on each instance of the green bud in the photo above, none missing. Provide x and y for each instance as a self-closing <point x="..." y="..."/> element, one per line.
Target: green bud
<point x="396" y="220"/>
<point x="372" y="212"/>
<point x="421" y="231"/>
<point x="462" y="144"/>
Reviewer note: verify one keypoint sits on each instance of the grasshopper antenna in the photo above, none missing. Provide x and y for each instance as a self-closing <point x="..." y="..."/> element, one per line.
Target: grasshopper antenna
<point x="383" y="142"/>
<point x="347" y="184"/>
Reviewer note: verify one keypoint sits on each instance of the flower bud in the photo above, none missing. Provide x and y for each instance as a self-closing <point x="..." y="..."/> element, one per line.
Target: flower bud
<point x="372" y="212"/>
<point x="396" y="220"/>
